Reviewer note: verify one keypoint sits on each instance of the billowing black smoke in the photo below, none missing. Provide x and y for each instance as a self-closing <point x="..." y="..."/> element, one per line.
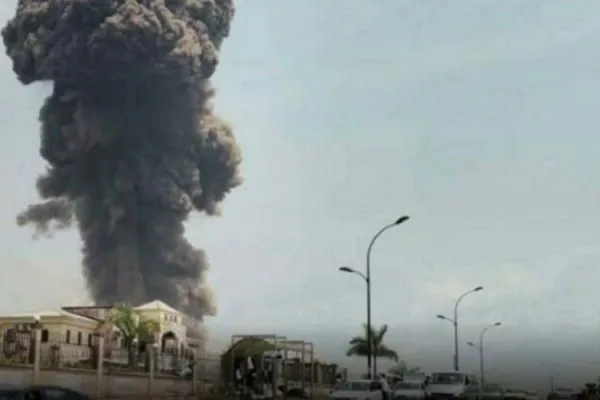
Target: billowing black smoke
<point x="129" y="135"/>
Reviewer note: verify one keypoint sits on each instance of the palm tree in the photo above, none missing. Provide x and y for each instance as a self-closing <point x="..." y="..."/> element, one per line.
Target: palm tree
<point x="359" y="347"/>
<point x="132" y="327"/>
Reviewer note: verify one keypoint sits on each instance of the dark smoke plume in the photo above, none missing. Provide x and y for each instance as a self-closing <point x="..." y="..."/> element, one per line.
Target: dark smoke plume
<point x="129" y="135"/>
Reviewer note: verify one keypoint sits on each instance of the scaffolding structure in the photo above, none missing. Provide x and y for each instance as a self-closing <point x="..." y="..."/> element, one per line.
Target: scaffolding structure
<point x="277" y="353"/>
<point x="237" y="338"/>
<point x="302" y="347"/>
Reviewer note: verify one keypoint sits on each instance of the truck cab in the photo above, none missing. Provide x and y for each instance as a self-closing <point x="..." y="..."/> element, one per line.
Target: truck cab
<point x="452" y="385"/>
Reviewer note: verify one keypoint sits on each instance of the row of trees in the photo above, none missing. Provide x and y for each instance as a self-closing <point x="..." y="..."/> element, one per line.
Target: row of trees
<point x="359" y="346"/>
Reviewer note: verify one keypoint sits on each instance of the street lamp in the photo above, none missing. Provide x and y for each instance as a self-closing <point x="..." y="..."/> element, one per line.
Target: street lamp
<point x="454" y="322"/>
<point x="353" y="271"/>
<point x="367" y="279"/>
<point x="481" y="367"/>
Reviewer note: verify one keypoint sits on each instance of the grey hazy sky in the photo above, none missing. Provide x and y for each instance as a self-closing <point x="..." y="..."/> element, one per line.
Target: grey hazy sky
<point x="476" y="117"/>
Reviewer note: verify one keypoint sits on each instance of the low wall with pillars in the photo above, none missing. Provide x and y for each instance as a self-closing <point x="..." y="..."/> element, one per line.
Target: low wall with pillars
<point x="112" y="385"/>
<point x="26" y="362"/>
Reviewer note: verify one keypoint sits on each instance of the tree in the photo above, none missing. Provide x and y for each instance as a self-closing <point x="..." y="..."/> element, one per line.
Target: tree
<point x="132" y="327"/>
<point x="359" y="345"/>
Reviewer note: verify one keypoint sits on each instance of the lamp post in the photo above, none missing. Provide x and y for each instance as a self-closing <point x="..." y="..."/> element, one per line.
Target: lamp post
<point x="481" y="366"/>
<point x="454" y="322"/>
<point x="367" y="279"/>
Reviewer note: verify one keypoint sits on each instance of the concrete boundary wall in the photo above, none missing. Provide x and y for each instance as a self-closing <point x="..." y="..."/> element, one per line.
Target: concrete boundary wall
<point x="111" y="385"/>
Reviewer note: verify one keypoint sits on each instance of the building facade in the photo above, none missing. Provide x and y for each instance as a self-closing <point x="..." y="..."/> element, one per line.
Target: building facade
<point x="69" y="336"/>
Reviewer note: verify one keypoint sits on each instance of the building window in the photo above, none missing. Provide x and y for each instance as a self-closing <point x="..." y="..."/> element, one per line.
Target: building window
<point x="90" y="340"/>
<point x="79" y="339"/>
<point x="45" y="335"/>
<point x="166" y="317"/>
<point x="68" y="337"/>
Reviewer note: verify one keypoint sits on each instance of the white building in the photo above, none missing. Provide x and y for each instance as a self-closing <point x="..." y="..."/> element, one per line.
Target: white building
<point x="68" y="336"/>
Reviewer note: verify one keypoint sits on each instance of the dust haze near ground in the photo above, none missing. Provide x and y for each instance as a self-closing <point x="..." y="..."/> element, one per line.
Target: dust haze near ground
<point x="130" y="138"/>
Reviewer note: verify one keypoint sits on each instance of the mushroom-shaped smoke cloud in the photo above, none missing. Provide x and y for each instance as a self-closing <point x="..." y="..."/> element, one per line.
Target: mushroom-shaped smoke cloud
<point x="129" y="135"/>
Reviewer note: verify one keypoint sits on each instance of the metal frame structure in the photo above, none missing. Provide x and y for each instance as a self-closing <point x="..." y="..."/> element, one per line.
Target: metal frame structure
<point x="300" y="346"/>
<point x="236" y="338"/>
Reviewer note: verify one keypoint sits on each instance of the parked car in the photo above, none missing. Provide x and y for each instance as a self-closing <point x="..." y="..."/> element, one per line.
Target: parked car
<point x="515" y="394"/>
<point x="39" y="392"/>
<point x="409" y="390"/>
<point x="564" y="393"/>
<point x="452" y="384"/>
<point x="492" y="392"/>
<point x="420" y="377"/>
<point x="363" y="389"/>
<point x="393" y="379"/>
<point x="532" y="396"/>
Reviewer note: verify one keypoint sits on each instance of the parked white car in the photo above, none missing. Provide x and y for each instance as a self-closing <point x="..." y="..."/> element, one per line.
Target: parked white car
<point x="364" y="389"/>
<point x="565" y="393"/>
<point x="532" y="396"/>
<point x="452" y="384"/>
<point x="493" y="391"/>
<point x="409" y="390"/>
<point x="415" y="377"/>
<point x="515" y="394"/>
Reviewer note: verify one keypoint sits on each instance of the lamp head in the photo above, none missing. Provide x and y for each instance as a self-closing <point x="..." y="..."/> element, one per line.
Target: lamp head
<point x="478" y="288"/>
<point x="401" y="220"/>
<point x="345" y="269"/>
